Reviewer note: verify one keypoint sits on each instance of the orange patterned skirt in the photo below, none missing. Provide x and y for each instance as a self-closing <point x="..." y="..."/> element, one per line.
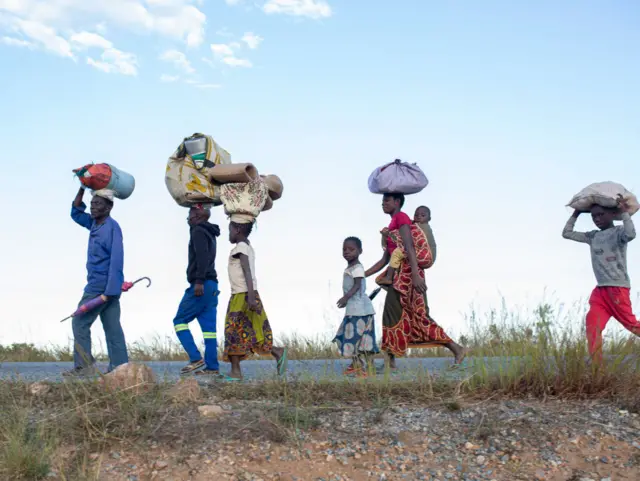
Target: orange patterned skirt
<point x="406" y="322"/>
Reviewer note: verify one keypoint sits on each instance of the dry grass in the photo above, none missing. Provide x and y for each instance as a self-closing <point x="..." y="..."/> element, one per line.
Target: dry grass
<point x="538" y="355"/>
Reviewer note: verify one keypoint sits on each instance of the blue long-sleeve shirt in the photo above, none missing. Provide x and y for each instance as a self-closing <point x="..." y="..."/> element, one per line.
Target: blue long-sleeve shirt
<point x="105" y="255"/>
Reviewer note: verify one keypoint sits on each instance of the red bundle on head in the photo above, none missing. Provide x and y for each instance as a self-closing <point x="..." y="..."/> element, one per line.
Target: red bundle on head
<point x="94" y="176"/>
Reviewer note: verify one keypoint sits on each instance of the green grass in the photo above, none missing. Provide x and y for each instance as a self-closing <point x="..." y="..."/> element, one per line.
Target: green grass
<point x="500" y="332"/>
<point x="547" y="359"/>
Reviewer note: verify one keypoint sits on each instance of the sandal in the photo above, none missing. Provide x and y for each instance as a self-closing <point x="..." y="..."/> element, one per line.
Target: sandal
<point x="282" y="363"/>
<point x="192" y="366"/>
<point x="354" y="371"/>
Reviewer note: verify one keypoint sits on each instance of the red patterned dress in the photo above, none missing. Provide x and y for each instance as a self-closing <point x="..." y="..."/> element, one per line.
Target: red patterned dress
<point x="406" y="322"/>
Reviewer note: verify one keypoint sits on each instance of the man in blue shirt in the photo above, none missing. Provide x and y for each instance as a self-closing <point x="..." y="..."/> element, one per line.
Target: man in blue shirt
<point x="105" y="261"/>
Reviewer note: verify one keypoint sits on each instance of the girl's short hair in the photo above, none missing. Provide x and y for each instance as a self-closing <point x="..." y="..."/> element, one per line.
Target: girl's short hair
<point x="355" y="240"/>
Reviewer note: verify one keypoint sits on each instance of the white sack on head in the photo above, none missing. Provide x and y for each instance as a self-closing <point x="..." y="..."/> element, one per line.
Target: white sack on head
<point x="605" y="194"/>
<point x="397" y="177"/>
<point x="105" y="194"/>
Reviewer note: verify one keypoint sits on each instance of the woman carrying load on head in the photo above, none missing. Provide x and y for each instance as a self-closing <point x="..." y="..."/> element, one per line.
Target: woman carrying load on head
<point x="406" y="322"/>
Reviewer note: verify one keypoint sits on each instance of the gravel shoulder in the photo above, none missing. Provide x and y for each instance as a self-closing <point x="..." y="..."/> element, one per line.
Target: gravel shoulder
<point x="489" y="440"/>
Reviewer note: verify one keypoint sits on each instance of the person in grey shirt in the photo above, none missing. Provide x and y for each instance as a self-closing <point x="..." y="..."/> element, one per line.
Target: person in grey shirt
<point x="608" y="246"/>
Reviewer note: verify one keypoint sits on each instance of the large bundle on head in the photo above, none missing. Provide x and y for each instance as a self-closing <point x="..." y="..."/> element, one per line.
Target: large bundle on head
<point x="187" y="174"/>
<point x="201" y="172"/>
<point x="106" y="177"/>
<point x="397" y="177"/>
<point x="244" y="201"/>
<point x="605" y="194"/>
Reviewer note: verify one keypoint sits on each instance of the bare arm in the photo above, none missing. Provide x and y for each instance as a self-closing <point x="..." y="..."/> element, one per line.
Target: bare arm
<point x="77" y="202"/>
<point x="378" y="266"/>
<point x="246" y="270"/>
<point x="357" y="284"/>
<point x="569" y="233"/>
<point x="407" y="240"/>
<point x="628" y="229"/>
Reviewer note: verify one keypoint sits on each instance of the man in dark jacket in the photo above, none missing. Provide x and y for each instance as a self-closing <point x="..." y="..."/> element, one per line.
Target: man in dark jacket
<point x="200" y="300"/>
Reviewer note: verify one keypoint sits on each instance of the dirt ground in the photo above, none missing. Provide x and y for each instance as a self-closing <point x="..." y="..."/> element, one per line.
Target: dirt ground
<point x="490" y="440"/>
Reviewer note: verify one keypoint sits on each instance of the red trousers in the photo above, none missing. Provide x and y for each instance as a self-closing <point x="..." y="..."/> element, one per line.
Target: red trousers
<point x="605" y="303"/>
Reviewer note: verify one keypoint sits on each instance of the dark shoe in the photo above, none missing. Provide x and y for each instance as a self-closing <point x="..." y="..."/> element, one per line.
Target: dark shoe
<point x="81" y="371"/>
<point x="192" y="366"/>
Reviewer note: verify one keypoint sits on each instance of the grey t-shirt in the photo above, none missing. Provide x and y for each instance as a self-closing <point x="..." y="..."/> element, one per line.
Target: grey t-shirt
<point x="608" y="250"/>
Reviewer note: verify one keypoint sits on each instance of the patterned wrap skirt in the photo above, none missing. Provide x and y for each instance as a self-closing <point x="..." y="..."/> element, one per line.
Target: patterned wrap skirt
<point x="246" y="332"/>
<point x="406" y="320"/>
<point x="356" y="335"/>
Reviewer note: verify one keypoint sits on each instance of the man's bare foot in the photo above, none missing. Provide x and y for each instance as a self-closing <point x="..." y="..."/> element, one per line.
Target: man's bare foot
<point x="235" y="374"/>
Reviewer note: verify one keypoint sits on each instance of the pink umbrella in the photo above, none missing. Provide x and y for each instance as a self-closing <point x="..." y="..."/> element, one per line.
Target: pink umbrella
<point x="98" y="301"/>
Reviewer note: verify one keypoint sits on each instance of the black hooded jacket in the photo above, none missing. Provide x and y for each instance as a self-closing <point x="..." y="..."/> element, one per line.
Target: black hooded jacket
<point x="202" y="253"/>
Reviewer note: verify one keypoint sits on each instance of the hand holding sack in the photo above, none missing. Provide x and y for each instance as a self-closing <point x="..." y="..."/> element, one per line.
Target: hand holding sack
<point x="606" y="194"/>
<point x="397" y="177"/>
<point x="106" y="177"/>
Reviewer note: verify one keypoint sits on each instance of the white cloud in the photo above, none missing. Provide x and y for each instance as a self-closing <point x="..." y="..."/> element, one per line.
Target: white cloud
<point x="252" y="40"/>
<point x="104" y="66"/>
<point x="221" y="49"/>
<point x="226" y="54"/>
<point x="179" y="59"/>
<point x="86" y="40"/>
<point x="299" y="8"/>
<point x="116" y="61"/>
<point x="233" y="2"/>
<point x="237" y="62"/>
<point x="16" y="42"/>
<point x="171" y="18"/>
<point x="42" y="35"/>
<point x="169" y="78"/>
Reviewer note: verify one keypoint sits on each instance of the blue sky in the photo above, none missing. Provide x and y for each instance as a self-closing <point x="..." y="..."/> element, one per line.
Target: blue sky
<point x="509" y="107"/>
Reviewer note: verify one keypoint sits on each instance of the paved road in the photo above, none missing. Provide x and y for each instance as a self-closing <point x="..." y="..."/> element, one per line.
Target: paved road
<point x="254" y="370"/>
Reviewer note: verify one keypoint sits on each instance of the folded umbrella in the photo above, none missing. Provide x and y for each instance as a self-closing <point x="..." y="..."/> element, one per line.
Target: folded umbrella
<point x="375" y="293"/>
<point x="98" y="301"/>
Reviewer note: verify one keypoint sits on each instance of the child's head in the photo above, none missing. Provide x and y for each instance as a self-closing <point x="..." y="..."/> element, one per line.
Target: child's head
<point x="351" y="249"/>
<point x="239" y="232"/>
<point x="392" y="203"/>
<point x="198" y="214"/>
<point x="422" y="215"/>
<point x="603" y="217"/>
